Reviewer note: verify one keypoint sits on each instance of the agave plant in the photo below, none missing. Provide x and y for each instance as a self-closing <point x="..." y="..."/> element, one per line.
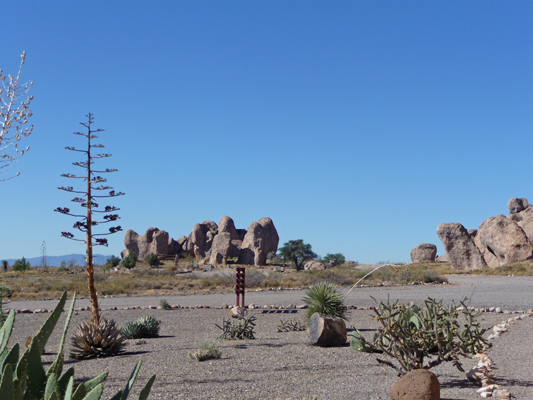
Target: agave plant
<point x="324" y="298"/>
<point x="144" y="327"/>
<point x="93" y="340"/>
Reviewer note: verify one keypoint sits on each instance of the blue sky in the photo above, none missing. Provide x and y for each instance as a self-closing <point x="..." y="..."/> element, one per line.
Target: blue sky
<point x="357" y="126"/>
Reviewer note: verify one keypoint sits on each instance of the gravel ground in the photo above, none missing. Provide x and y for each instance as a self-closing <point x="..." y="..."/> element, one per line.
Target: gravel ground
<point x="275" y="365"/>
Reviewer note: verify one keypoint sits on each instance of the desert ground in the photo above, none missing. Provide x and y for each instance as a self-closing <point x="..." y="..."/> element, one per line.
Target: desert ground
<point x="281" y="365"/>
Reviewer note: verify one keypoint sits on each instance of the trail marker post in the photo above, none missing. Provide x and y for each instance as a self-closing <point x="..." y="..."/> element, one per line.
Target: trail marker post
<point x="240" y="284"/>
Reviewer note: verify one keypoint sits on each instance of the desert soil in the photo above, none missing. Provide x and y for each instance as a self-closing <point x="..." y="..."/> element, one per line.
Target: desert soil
<point x="282" y="365"/>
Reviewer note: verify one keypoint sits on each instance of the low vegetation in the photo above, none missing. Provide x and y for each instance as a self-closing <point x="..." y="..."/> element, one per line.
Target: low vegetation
<point x="243" y="328"/>
<point x="207" y="351"/>
<point x="144" y="327"/>
<point x="167" y="279"/>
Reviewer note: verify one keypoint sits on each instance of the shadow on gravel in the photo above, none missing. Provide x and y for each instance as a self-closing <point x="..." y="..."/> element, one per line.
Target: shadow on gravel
<point x="458" y="383"/>
<point x="514" y="382"/>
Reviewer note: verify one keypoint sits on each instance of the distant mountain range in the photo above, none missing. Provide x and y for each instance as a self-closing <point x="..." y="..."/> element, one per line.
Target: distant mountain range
<point x="69" y="259"/>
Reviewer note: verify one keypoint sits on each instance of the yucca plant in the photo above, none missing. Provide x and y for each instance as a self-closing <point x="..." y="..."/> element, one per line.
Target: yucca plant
<point x="93" y="340"/>
<point x="325" y="298"/>
<point x="207" y="351"/>
<point x="144" y="327"/>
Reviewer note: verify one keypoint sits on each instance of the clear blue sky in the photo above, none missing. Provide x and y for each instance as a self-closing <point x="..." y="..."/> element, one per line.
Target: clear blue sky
<point x="357" y="126"/>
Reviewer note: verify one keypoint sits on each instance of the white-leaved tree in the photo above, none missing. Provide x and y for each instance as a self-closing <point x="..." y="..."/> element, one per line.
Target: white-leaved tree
<point x="14" y="115"/>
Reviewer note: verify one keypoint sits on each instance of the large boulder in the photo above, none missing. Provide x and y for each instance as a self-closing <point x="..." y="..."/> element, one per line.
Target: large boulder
<point x="314" y="265"/>
<point x="153" y="241"/>
<point x="423" y="253"/>
<point x="489" y="258"/>
<point x="418" y="384"/>
<point x="201" y="239"/>
<point x="260" y="239"/>
<point x="505" y="239"/>
<point x="459" y="246"/>
<point x="326" y="330"/>
<point x="220" y="249"/>
<point x="524" y="219"/>
<point x="226" y="225"/>
<point x="517" y="204"/>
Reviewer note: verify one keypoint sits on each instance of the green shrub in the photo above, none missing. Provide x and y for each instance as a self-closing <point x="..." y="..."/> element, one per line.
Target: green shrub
<point x="207" y="351"/>
<point x="324" y="298"/>
<point x="412" y="335"/>
<point x="113" y="261"/>
<point x="130" y="260"/>
<point x="152" y="260"/>
<point x="242" y="329"/>
<point x="25" y="377"/>
<point x="144" y="327"/>
<point x="5" y="291"/>
<point x="337" y="258"/>
<point x="21" y="265"/>
<point x="164" y="304"/>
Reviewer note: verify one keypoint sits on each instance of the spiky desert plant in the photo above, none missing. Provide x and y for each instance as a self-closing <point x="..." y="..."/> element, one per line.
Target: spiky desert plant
<point x="207" y="351"/>
<point x="291" y="326"/>
<point x="325" y="298"/>
<point x="242" y="329"/>
<point x="144" y="327"/>
<point x="93" y="340"/>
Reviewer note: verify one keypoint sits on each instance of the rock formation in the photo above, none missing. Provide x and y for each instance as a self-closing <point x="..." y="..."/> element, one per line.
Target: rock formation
<point x="498" y="241"/>
<point x="209" y="242"/>
<point x="424" y="252"/>
<point x="417" y="384"/>
<point x="459" y="246"/>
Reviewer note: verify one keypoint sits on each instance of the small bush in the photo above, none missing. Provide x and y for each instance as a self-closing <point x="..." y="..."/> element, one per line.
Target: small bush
<point x="152" y="260"/>
<point x="324" y="298"/>
<point x="21" y="265"/>
<point x="164" y="304"/>
<point x="5" y="291"/>
<point x="130" y="260"/>
<point x="96" y="341"/>
<point x="207" y="351"/>
<point x="242" y="329"/>
<point x="113" y="261"/>
<point x="337" y="258"/>
<point x="144" y="327"/>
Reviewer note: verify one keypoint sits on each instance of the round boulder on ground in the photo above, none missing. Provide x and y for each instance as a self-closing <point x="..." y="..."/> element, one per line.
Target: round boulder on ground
<point x="424" y="252"/>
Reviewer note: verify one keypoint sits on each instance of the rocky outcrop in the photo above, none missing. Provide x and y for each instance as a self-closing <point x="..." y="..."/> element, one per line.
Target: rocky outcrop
<point x="423" y="253"/>
<point x="209" y="242"/>
<point x="499" y="240"/>
<point x="153" y="241"/>
<point x="459" y="246"/>
<point x="260" y="239"/>
<point x="417" y="384"/>
<point x="505" y="240"/>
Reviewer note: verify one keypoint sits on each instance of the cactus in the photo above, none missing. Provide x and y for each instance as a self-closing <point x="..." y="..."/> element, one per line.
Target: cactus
<point x="25" y="377"/>
<point x="291" y="326"/>
<point x="93" y="340"/>
<point x="413" y="336"/>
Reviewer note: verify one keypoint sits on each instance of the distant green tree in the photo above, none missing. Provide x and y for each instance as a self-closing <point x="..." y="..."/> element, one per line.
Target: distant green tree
<point x="152" y="260"/>
<point x="5" y="264"/>
<point x="130" y="260"/>
<point x="337" y="258"/>
<point x="113" y="261"/>
<point x="21" y="265"/>
<point x="297" y="252"/>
